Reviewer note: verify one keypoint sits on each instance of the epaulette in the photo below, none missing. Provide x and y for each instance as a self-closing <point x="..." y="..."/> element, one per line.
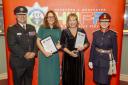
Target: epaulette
<point x="10" y="25"/>
<point x="96" y="30"/>
<point x="114" y="31"/>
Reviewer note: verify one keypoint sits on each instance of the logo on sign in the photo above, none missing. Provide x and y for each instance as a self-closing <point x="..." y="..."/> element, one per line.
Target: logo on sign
<point x="36" y="14"/>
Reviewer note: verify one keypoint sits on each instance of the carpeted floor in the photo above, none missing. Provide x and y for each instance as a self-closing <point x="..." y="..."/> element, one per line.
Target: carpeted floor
<point x="4" y="82"/>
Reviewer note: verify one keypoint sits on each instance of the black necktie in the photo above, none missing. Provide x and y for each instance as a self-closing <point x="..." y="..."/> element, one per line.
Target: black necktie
<point x="24" y="27"/>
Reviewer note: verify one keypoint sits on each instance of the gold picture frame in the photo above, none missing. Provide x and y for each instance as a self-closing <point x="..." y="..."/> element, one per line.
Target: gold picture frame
<point x="1" y="21"/>
<point x="125" y="31"/>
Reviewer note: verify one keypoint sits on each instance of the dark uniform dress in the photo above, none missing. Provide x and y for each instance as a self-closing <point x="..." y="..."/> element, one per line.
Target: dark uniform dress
<point x="72" y="68"/>
<point x="105" y="41"/>
<point x="49" y="67"/>
<point x="21" y="41"/>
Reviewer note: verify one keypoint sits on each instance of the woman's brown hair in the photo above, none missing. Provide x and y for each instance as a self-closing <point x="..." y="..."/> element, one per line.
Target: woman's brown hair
<point x="56" y="23"/>
<point x="72" y="15"/>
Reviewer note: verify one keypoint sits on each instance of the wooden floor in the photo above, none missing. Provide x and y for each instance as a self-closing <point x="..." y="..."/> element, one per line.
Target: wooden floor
<point x="4" y="82"/>
<point x="123" y="83"/>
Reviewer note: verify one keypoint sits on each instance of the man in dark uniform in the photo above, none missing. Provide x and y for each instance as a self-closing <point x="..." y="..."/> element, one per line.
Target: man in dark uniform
<point x="21" y="39"/>
<point x="103" y="50"/>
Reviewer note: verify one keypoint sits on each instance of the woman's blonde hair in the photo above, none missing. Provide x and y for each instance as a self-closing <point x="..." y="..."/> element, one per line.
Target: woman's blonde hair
<point x="69" y="16"/>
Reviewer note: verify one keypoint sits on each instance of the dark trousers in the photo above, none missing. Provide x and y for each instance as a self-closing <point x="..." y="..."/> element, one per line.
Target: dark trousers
<point x="23" y="76"/>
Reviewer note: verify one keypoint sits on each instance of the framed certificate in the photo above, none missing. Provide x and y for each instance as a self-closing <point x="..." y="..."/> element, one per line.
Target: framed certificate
<point x="49" y="45"/>
<point x="79" y="39"/>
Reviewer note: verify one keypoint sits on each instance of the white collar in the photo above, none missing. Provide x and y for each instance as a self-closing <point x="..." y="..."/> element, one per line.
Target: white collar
<point x="22" y="25"/>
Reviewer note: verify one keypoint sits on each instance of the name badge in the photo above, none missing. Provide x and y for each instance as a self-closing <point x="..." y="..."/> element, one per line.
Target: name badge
<point x="19" y="33"/>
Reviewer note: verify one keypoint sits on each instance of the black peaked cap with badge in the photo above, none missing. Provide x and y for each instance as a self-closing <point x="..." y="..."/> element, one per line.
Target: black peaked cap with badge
<point x="20" y="10"/>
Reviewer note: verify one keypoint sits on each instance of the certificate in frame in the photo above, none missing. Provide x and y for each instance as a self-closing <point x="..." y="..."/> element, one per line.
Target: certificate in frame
<point x="80" y="39"/>
<point x="49" y="45"/>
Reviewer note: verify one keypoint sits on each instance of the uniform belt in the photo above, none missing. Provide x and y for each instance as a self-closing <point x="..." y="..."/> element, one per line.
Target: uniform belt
<point x="103" y="51"/>
<point x="112" y="64"/>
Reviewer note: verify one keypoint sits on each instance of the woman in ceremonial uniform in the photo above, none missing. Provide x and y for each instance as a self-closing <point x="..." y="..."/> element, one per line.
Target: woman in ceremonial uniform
<point x="103" y="50"/>
<point x="49" y="66"/>
<point x="73" y="57"/>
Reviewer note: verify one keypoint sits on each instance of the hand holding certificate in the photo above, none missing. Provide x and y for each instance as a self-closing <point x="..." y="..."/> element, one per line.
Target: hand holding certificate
<point x="80" y="40"/>
<point x="48" y="45"/>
